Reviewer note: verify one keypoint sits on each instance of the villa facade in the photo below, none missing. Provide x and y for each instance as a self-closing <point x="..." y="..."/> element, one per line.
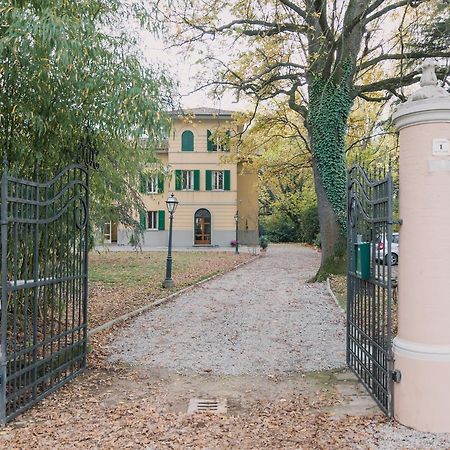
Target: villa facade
<point x="212" y="191"/>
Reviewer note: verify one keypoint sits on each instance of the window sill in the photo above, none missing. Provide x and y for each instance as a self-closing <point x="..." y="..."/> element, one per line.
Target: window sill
<point x="201" y="151"/>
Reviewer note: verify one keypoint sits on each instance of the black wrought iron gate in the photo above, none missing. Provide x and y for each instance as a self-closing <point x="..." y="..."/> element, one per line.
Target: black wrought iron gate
<point x="44" y="245"/>
<point x="369" y="282"/>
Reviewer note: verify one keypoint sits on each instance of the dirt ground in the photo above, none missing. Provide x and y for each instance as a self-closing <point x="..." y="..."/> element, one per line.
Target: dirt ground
<point x="117" y="405"/>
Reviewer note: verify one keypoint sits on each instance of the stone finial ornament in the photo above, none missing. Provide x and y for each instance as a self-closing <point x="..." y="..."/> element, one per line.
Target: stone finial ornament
<point x="429" y="83"/>
<point x="429" y="77"/>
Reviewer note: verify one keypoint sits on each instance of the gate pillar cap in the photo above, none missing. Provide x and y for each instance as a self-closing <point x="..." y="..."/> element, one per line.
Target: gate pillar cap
<point x="430" y="103"/>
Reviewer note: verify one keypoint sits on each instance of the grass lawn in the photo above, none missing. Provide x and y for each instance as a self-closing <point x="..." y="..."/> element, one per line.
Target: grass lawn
<point x="338" y="285"/>
<point x="121" y="282"/>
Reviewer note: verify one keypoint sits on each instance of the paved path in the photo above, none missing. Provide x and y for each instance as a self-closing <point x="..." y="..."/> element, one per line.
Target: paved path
<point x="260" y="319"/>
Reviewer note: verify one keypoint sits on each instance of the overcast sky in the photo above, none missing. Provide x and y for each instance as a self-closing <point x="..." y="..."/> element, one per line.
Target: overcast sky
<point x="184" y="70"/>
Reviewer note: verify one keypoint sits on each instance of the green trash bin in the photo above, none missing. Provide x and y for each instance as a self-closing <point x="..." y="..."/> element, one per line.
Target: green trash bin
<point x="362" y="260"/>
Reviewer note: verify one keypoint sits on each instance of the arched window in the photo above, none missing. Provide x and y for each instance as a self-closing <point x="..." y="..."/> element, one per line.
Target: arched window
<point x="187" y="141"/>
<point x="202" y="227"/>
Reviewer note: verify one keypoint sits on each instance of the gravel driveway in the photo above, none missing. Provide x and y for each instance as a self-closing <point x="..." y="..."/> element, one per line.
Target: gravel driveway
<point x="262" y="318"/>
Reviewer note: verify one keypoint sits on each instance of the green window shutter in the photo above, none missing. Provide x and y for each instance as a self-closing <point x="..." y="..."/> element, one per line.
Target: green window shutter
<point x="161" y="219"/>
<point x="160" y="183"/>
<point x="143" y="184"/>
<point x="178" y="180"/>
<point x="142" y="219"/>
<point x="187" y="141"/>
<point x="226" y="180"/>
<point x="210" y="144"/>
<point x="227" y="141"/>
<point x="208" y="180"/>
<point x="196" y="180"/>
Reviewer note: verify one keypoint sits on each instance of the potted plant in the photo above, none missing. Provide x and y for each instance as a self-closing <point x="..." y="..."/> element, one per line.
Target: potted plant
<point x="263" y="243"/>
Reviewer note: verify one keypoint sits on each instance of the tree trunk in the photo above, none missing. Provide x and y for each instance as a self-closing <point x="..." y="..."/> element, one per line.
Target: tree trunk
<point x="329" y="109"/>
<point x="332" y="238"/>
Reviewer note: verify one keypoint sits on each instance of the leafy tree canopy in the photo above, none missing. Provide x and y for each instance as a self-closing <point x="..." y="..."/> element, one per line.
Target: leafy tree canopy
<point x="320" y="55"/>
<point x="276" y="146"/>
<point x="433" y="34"/>
<point x="71" y="71"/>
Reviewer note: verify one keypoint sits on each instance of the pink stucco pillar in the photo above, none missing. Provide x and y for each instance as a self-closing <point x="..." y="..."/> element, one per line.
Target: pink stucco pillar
<point x="422" y="346"/>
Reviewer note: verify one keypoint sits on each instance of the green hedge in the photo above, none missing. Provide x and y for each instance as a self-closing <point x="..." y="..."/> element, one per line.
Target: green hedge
<point x="279" y="227"/>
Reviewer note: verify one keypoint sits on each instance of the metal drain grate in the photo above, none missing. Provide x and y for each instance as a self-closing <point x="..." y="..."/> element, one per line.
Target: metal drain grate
<point x="217" y="406"/>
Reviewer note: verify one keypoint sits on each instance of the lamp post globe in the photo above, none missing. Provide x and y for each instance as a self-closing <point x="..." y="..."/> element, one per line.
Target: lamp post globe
<point x="171" y="204"/>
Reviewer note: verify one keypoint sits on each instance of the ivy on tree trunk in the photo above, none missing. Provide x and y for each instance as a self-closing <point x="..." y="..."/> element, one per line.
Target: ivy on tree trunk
<point x="329" y="109"/>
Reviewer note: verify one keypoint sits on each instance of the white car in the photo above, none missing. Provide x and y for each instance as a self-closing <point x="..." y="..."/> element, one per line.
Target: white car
<point x="382" y="248"/>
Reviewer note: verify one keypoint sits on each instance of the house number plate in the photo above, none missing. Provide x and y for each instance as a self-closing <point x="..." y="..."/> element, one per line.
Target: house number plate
<point x="441" y="147"/>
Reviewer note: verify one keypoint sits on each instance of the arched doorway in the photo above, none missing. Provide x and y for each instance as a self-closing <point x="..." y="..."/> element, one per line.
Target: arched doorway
<point x="202" y="227"/>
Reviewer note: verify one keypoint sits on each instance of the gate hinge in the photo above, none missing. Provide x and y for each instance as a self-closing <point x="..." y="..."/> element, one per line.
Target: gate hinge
<point x="396" y="376"/>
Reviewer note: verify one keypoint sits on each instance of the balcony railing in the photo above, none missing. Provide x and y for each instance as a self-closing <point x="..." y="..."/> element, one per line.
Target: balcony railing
<point x="161" y="147"/>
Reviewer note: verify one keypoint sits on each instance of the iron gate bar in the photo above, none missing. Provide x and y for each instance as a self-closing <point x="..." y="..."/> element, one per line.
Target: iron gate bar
<point x="44" y="248"/>
<point x="4" y="301"/>
<point x="369" y="308"/>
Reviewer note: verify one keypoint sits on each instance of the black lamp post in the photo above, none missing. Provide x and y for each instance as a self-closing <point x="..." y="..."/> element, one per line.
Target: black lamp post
<point x="171" y="203"/>
<point x="236" y="218"/>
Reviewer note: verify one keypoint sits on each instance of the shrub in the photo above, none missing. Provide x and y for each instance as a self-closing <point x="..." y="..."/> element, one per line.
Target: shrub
<point x="263" y="242"/>
<point x="279" y="227"/>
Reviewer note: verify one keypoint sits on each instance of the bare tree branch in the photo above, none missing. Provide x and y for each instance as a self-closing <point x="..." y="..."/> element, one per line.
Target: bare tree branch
<point x="375" y="99"/>
<point x="391" y="7"/>
<point x="368" y="138"/>
<point x="302" y="110"/>
<point x="301" y="12"/>
<point x="389" y="83"/>
<point x="269" y="28"/>
<point x="399" y="56"/>
<point x="321" y="8"/>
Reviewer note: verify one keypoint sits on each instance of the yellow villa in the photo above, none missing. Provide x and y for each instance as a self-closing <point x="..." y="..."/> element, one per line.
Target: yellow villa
<point x="211" y="192"/>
